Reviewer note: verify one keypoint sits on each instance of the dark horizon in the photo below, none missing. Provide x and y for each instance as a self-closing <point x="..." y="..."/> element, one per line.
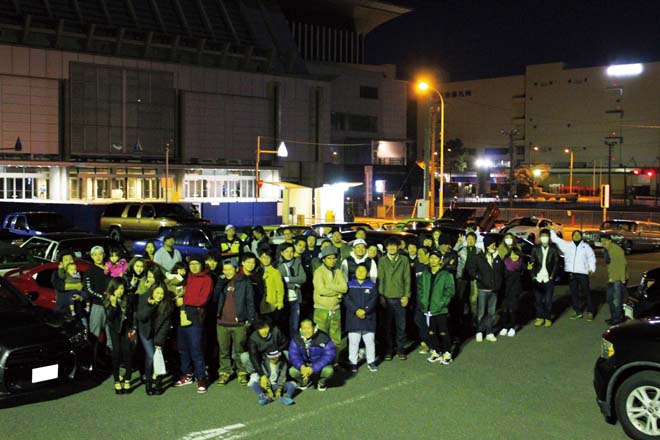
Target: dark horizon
<point x="473" y="40"/>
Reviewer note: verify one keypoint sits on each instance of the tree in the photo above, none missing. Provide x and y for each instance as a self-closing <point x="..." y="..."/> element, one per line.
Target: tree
<point x="455" y="159"/>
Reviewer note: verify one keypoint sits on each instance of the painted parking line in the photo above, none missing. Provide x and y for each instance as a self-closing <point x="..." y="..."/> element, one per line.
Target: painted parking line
<point x="223" y="433"/>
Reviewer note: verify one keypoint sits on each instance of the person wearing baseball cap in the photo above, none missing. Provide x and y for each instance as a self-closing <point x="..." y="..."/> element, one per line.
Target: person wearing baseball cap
<point x="359" y="256"/>
<point x="487" y="269"/>
<point x="230" y="243"/>
<point x="329" y="287"/>
<point x="167" y="256"/>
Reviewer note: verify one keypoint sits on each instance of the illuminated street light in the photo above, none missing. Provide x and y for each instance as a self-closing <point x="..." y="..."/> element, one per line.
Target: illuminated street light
<point x="280" y="152"/>
<point x="620" y="70"/>
<point x="537" y="173"/>
<point x="483" y="163"/>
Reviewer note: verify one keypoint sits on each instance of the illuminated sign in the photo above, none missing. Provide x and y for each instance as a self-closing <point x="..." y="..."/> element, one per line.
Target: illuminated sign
<point x="625" y="70"/>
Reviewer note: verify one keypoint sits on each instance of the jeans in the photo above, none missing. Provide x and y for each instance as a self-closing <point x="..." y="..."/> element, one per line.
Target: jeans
<point x="227" y="336"/>
<point x="97" y="323"/>
<point x="422" y="326"/>
<point x="543" y="299"/>
<point x="439" y="333"/>
<point x="615" y="300"/>
<point x="577" y="281"/>
<point x="395" y="313"/>
<point x="486" y="304"/>
<point x="122" y="351"/>
<point x="329" y="321"/>
<point x="189" y="344"/>
<point x="354" y="339"/>
<point x="287" y="389"/>
<point x="149" y="350"/>
<point x="294" y="317"/>
<point x="325" y="374"/>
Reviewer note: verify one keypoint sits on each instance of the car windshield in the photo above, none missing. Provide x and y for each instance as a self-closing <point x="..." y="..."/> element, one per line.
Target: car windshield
<point x="47" y="221"/>
<point x="171" y="210"/>
<point x="10" y="298"/>
<point x="618" y="226"/>
<point x="525" y="221"/>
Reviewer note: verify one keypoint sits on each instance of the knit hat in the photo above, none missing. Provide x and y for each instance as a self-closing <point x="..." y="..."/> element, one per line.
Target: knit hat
<point x="327" y="251"/>
<point x="488" y="240"/>
<point x="196" y="258"/>
<point x="435" y="252"/>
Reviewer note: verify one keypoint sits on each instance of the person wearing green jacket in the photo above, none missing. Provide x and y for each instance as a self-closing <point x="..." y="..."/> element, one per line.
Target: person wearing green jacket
<point x="329" y="287"/>
<point x="617" y="277"/>
<point x="435" y="289"/>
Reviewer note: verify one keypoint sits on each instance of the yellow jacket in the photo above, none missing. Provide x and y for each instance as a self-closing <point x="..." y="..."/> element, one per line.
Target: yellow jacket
<point x="273" y="298"/>
<point x="329" y="286"/>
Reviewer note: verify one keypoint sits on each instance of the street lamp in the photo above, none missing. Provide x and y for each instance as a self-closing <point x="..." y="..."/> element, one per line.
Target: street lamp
<point x="570" y="170"/>
<point x="280" y="152"/>
<point x="423" y="87"/>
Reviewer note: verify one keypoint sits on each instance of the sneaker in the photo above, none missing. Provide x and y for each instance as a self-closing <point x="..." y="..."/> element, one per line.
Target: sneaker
<point x="186" y="379"/>
<point x="321" y="386"/>
<point x="480" y="337"/>
<point x="423" y="348"/>
<point x="201" y="386"/>
<point x="388" y="357"/>
<point x="589" y="316"/>
<point x="243" y="378"/>
<point x="491" y="337"/>
<point x="446" y="358"/>
<point x="264" y="400"/>
<point x="302" y="386"/>
<point x="284" y="400"/>
<point x="401" y="356"/>
<point x="548" y="323"/>
<point x="354" y="369"/>
<point x="372" y="367"/>
<point x="504" y="331"/>
<point x="511" y="333"/>
<point x="538" y="322"/>
<point x="576" y="316"/>
<point x="435" y="357"/>
<point x="223" y="379"/>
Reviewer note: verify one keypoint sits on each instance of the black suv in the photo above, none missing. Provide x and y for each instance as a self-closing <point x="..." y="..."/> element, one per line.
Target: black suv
<point x="627" y="377"/>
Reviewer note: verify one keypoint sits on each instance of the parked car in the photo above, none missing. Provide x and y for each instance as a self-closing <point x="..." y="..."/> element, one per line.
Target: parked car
<point x="644" y="299"/>
<point x="631" y="235"/>
<point x="35" y="223"/>
<point x="415" y="224"/>
<point x="135" y="220"/>
<point x="34" y="282"/>
<point x="39" y="349"/>
<point x="323" y="229"/>
<point x="189" y="240"/>
<point x="627" y="377"/>
<point x="379" y="237"/>
<point x="49" y="247"/>
<point x="530" y="227"/>
<point x="14" y="257"/>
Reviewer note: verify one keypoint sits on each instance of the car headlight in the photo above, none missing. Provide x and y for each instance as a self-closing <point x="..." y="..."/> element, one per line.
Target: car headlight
<point x="606" y="349"/>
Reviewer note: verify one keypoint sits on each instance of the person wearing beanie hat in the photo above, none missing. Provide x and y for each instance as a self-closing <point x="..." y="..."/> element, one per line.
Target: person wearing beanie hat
<point x="329" y="287"/>
<point x="487" y="269"/>
<point x="231" y="243"/>
<point x="359" y="256"/>
<point x="272" y="384"/>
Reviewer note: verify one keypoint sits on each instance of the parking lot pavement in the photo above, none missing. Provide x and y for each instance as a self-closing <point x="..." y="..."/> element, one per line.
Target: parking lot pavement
<point x="534" y="385"/>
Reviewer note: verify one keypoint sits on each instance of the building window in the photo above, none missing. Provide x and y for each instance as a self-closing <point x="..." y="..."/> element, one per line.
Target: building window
<point x="350" y="122"/>
<point x="368" y="92"/>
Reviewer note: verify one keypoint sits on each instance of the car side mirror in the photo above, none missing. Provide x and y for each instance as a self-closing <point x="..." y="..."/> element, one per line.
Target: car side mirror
<point x="33" y="296"/>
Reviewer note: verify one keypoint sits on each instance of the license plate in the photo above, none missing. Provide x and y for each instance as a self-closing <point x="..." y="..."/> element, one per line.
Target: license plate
<point x="628" y="311"/>
<point x="42" y="374"/>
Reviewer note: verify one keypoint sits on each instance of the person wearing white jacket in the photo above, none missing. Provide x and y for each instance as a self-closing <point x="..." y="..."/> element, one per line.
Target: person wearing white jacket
<point x="579" y="262"/>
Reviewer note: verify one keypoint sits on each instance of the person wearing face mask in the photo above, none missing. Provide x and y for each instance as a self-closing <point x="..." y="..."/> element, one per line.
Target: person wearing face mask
<point x="466" y="286"/>
<point x="579" y="262"/>
<point x="487" y="269"/>
<point x="507" y="244"/>
<point x="544" y="266"/>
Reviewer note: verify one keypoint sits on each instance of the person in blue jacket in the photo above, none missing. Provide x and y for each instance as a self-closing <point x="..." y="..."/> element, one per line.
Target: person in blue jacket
<point x="311" y="355"/>
<point x="361" y="303"/>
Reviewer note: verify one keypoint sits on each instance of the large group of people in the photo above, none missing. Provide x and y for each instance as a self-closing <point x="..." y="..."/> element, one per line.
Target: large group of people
<point x="275" y="319"/>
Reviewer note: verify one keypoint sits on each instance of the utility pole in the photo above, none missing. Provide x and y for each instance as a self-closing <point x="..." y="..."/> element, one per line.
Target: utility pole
<point x="511" y="133"/>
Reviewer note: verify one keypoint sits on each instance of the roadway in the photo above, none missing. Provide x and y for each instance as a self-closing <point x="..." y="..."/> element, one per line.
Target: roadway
<point x="535" y="385"/>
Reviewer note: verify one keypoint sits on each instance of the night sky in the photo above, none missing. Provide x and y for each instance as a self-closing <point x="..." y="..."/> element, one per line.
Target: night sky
<point x="478" y="39"/>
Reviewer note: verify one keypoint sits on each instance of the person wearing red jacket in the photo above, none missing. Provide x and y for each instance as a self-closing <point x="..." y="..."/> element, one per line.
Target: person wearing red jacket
<point x="197" y="292"/>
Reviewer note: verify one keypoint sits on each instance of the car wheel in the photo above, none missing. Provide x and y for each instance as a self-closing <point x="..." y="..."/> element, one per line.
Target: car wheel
<point x="628" y="247"/>
<point x="638" y="405"/>
<point x="115" y="234"/>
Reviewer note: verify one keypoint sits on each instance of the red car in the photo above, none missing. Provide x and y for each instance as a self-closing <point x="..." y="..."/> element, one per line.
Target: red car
<point x="34" y="282"/>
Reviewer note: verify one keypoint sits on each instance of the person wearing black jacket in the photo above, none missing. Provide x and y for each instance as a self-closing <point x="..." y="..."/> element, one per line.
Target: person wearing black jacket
<point x="120" y="315"/>
<point x="259" y="241"/>
<point x="544" y="266"/>
<point x="487" y="269"/>
<point x="263" y="340"/>
<point x="154" y="316"/>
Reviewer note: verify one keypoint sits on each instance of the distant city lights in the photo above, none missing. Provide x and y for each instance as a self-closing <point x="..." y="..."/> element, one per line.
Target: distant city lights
<point x="619" y="70"/>
<point x="484" y="163"/>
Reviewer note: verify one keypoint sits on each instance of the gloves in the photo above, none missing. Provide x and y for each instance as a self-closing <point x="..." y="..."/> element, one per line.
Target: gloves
<point x="270" y="393"/>
<point x="265" y="383"/>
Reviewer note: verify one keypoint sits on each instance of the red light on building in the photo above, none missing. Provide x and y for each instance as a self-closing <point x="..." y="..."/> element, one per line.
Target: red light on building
<point x="636" y="172"/>
<point x="650" y="173"/>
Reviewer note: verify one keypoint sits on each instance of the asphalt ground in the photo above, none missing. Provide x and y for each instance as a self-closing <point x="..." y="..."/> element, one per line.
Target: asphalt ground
<point x="536" y="385"/>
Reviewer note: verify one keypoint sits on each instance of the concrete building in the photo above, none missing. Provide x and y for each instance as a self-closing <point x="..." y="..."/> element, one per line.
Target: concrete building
<point x="607" y="115"/>
<point x="161" y="100"/>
